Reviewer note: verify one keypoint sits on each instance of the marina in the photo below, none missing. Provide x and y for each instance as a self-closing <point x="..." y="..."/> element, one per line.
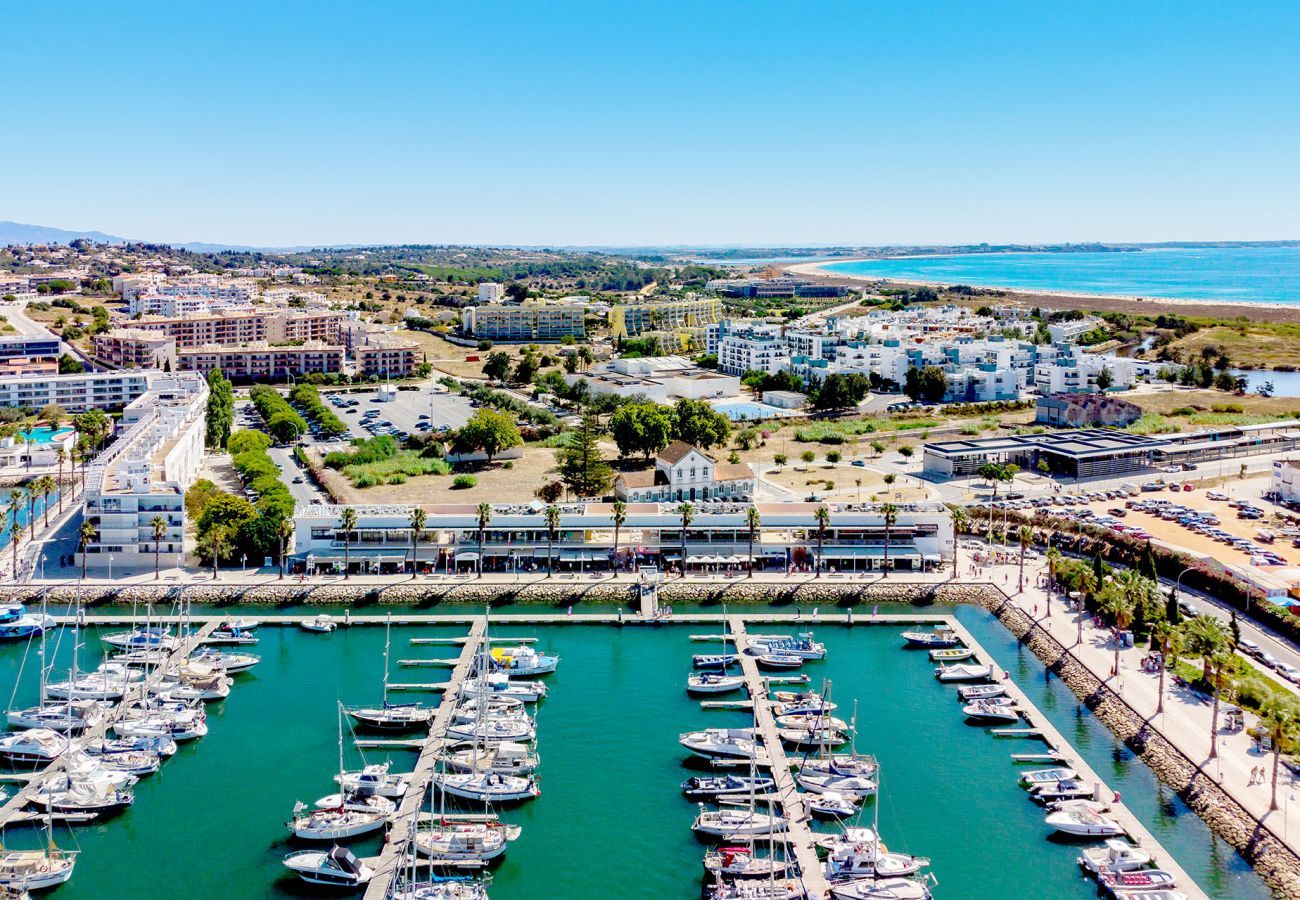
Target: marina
<point x="624" y="684"/>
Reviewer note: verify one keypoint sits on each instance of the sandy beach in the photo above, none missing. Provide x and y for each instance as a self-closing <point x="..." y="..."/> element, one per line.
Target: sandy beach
<point x="1152" y="306"/>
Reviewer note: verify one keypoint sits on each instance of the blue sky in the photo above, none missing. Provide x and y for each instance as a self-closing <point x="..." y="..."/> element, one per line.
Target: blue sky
<point x="278" y="123"/>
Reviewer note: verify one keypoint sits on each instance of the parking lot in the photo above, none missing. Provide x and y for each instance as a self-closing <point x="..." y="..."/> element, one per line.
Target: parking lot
<point x="409" y="412"/>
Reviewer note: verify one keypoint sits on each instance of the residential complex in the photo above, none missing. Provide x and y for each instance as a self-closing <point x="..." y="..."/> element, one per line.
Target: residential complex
<point x="276" y="326"/>
<point x="784" y="286"/>
<point x="660" y="378"/>
<point x="142" y="477"/>
<point x="745" y="348"/>
<point x="75" y="393"/>
<point x="532" y="321"/>
<point x="678" y="326"/>
<point x="262" y="361"/>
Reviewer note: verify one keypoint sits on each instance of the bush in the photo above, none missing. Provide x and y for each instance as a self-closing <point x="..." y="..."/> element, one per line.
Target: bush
<point x="463" y="482"/>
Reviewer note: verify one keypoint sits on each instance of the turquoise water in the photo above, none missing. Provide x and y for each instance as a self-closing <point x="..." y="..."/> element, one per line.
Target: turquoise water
<point x="741" y="411"/>
<point x="44" y="434"/>
<point x="610" y="812"/>
<point x="1243" y="275"/>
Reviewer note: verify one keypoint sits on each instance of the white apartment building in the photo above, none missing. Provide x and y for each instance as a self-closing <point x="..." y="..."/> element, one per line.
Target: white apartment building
<point x="490" y="292"/>
<point x="143" y="476"/>
<point x="742" y="349"/>
<point x="1071" y="331"/>
<point x="75" y="393"/>
<point x="660" y="378"/>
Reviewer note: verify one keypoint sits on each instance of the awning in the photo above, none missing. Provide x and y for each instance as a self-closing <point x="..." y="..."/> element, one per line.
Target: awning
<point x="467" y="556"/>
<point x="869" y="552"/>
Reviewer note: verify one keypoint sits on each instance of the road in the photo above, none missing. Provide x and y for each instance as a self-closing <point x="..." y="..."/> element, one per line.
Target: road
<point x="299" y="483"/>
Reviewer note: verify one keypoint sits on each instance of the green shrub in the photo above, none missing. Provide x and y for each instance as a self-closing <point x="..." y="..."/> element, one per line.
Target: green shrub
<point x="463" y="482"/>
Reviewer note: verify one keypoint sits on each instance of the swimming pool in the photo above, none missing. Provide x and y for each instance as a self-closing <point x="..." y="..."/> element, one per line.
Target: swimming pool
<point x="743" y="411"/>
<point x="44" y="434"/>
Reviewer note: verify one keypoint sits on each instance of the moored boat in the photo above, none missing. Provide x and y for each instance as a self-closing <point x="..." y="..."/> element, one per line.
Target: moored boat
<point x="720" y="743"/>
<point x="712" y="787"/>
<point x="963" y="672"/>
<point x="951" y="654"/>
<point x="942" y="636"/>
<point x="708" y="683"/>
<point x="336" y="867"/>
<point x="1115" y="855"/>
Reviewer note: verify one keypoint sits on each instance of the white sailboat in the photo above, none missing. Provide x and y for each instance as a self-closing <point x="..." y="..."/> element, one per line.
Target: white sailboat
<point x="504" y="758"/>
<point x="713" y="683"/>
<point x="391" y="716"/>
<point x="36" y="870"/>
<point x="335" y="823"/>
<point x="448" y="840"/>
<point x="498" y="685"/>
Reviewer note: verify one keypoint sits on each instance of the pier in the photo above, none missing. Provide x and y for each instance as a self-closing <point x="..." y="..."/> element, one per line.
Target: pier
<point x="799" y="836"/>
<point x="13" y="812"/>
<point x="386" y="866"/>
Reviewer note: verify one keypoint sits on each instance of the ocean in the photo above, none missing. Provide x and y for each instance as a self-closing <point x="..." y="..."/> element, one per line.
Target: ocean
<point x="1226" y="274"/>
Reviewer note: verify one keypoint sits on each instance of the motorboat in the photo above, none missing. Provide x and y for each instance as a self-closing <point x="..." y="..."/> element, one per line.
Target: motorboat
<point x="1115" y="855"/>
<point x="857" y="853"/>
<point x="709" y="683"/>
<point x="238" y="625"/>
<point x="801" y="645"/>
<point x="504" y="758"/>
<point x="713" y="660"/>
<point x="493" y="729"/>
<point x="942" y="636"/>
<point x="819" y="721"/>
<point x="991" y="712"/>
<point x="813" y="737"/>
<point x="970" y="692"/>
<point x="742" y="862"/>
<point x="1140" y="880"/>
<point x="801" y="697"/>
<point x="1046" y="776"/>
<point x="1084" y="823"/>
<point x="38" y="745"/>
<point x="1066" y="789"/>
<point x="66" y="793"/>
<point x="143" y="639"/>
<point x="820" y="780"/>
<point x="25" y="626"/>
<point x="197" y="681"/>
<point x="79" y="764"/>
<point x="35" y="870"/>
<point x="720" y="743"/>
<point x="712" y="787"/>
<point x="11" y="612"/>
<point x="882" y="889"/>
<point x="779" y="661"/>
<point x="336" y="867"/>
<point x="163" y="746"/>
<point x="375" y="779"/>
<point x="814" y="706"/>
<point x="393" y="716"/>
<point x="963" y="672"/>
<point x="450" y="841"/>
<point x="1142" y="894"/>
<point x="66" y="718"/>
<point x="231" y="663"/>
<point x="831" y="805"/>
<point x="136" y="763"/>
<point x="732" y="823"/>
<point x="179" y="728"/>
<point x="322" y="624"/>
<point x="951" y="654"/>
<point x="495" y="707"/>
<point x="336" y="824"/>
<point x="361" y="801"/>
<point x="497" y="685"/>
<point x="522" y="660"/>
<point x="487" y="787"/>
<point x="841" y="764"/>
<point x="231" y="637"/>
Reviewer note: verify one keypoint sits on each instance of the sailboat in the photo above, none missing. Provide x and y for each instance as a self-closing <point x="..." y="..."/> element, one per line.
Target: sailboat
<point x="504" y="758"/>
<point x="744" y="862"/>
<point x="375" y="779"/>
<point x="858" y="853"/>
<point x="391" y="716"/>
<point x="409" y="885"/>
<point x="335" y="823"/>
<point x="446" y="840"/>
<point x="498" y="685"/>
<point x="36" y="870"/>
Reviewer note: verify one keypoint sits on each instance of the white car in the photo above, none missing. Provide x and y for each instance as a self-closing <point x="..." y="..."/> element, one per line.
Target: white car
<point x="1215" y="495"/>
<point x="1289" y="672"/>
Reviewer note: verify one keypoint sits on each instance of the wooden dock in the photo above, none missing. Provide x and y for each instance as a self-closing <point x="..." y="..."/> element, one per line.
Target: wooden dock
<point x="390" y="858"/>
<point x="798" y="833"/>
<point x="12" y="812"/>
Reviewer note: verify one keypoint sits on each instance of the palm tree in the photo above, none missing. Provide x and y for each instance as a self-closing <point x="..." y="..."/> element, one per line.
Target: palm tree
<point x="1280" y="718"/>
<point x="620" y="517"/>
<point x="890" y="513"/>
<point x="217" y="540"/>
<point x="687" y="512"/>
<point x="61" y="455"/>
<point x="348" y="522"/>
<point x="823" y="517"/>
<point x="45" y="484"/>
<point x="752" y="521"/>
<point x="32" y="491"/>
<point x="1218" y="663"/>
<point x="284" y="531"/>
<point x="86" y="535"/>
<point x="1026" y="536"/>
<point x="158" y="525"/>
<point x="484" y="514"/>
<point x="1117" y="604"/>
<point x="418" y="518"/>
<point x="16" y="535"/>
<point x="959" y="517"/>
<point x="1204" y="636"/>
<point x="552" y="526"/>
<point x="1168" y="638"/>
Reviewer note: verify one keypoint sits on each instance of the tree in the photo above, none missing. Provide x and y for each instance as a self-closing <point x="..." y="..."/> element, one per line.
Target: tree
<point x="1116" y="604"/>
<point x="752" y="522"/>
<point x="960" y="519"/>
<point x="912" y="383"/>
<point x="823" y="517"/>
<point x="348" y="522"/>
<point x="1217" y="664"/>
<point x="878" y="447"/>
<point x="552" y="517"/>
<point x="1026" y="536"/>
<point x="1280" y="718"/>
<point x="620" y="517"/>
<point x="807" y="456"/>
<point x="934" y="384"/>
<point x="497" y="366"/>
<point x="526" y="369"/>
<point x="158" y="528"/>
<point x="1204" y="636"/>
<point x="1105" y="379"/>
<point x="687" y="512"/>
<point x="61" y="455"/>
<point x="644" y="428"/>
<point x="1169" y="639"/>
<point x="45" y="485"/>
<point x="754" y="379"/>
<point x="582" y="465"/>
<point x="1147" y="563"/>
<point x="284" y="532"/>
<point x="217" y="537"/>
<point x="86" y="536"/>
<point x="550" y="492"/>
<point x="221" y="409"/>
<point x="418" y="519"/>
<point x="94" y="426"/>
<point x="53" y="415"/>
<point x="15" y="537"/>
<point x="780" y="459"/>
<point x="488" y="431"/>
<point x="838" y="391"/>
<point x="696" y="422"/>
<point x="483" y="516"/>
<point x="833" y="457"/>
<point x="890" y="478"/>
<point x="890" y="514"/>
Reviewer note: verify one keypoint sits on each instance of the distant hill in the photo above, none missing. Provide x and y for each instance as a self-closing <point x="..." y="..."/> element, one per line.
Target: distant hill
<point x="18" y="233"/>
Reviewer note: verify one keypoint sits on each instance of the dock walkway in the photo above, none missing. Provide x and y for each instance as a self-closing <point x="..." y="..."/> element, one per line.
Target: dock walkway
<point x="390" y="858"/>
<point x="799" y="834"/>
<point x="13" y="811"/>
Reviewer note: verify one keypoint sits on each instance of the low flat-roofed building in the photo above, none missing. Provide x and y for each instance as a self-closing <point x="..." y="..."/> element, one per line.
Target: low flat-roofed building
<point x="1286" y="479"/>
<point x="660" y="378"/>
<point x="1083" y="453"/>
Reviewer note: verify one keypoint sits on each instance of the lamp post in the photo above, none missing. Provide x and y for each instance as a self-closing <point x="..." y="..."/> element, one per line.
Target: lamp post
<point x="1179" y="580"/>
<point x="110" y="567"/>
<point x="243" y="565"/>
<point x="1077" y="597"/>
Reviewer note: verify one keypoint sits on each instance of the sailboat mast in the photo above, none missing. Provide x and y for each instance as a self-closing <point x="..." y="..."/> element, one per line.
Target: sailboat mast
<point x="388" y="631"/>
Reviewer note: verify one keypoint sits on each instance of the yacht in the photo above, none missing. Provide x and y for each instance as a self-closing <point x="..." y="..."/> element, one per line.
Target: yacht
<point x="882" y="889"/>
<point x="444" y="841"/>
<point x="375" y="779"/>
<point x="802" y="646"/>
<point x="1084" y="823"/>
<point x="991" y="712"/>
<point x="143" y="639"/>
<point x="392" y="716"/>
<point x="813" y="737"/>
<point x="742" y="862"/>
<point x="720" y="743"/>
<point x="493" y="729"/>
<point x="495" y="707"/>
<point x="706" y="787"/>
<point x="35" y="870"/>
<point x="1066" y="789"/>
<point x="1115" y="855"/>
<point x="66" y="718"/>
<point x="821" y="779"/>
<point x="818" y="721"/>
<point x="230" y="662"/>
<point x="163" y="746"/>
<point x="25" y="626"/>
<point x="335" y="824"/>
<point x="487" y="787"/>
<point x="522" y="660"/>
<point x="730" y="823"/>
<point x="130" y="762"/>
<point x="776" y="660"/>
<point x="710" y="683"/>
<point x="858" y="853"/>
<point x="758" y="889"/>
<point x="65" y="793"/>
<point x="178" y="727"/>
<point x="942" y="636"/>
<point x="433" y="887"/>
<point x="497" y="685"/>
<point x="231" y="637"/>
<point x="831" y="805"/>
<point x="336" y="867"/>
<point x="39" y="745"/>
<point x="504" y="758"/>
<point x="358" y="801"/>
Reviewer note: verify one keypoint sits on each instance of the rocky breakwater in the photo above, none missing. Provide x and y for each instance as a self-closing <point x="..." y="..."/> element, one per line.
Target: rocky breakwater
<point x="1276" y="863"/>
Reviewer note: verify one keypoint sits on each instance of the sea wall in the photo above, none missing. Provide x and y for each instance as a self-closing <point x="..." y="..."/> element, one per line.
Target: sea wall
<point x="1276" y="863"/>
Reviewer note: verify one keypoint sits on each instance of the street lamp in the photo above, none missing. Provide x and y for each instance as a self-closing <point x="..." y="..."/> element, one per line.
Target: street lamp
<point x="1077" y="597"/>
<point x="1179" y="580"/>
<point x="110" y="567"/>
<point x="243" y="567"/>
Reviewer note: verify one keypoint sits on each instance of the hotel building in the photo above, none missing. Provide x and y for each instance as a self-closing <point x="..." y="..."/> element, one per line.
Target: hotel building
<point x="527" y="322"/>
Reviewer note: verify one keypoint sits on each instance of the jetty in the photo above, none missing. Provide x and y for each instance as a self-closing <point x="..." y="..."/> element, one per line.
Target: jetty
<point x="14" y="811"/>
<point x="389" y="861"/>
<point x="799" y="835"/>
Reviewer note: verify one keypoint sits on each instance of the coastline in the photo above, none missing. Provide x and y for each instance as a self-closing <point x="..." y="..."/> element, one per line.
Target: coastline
<point x="1211" y="309"/>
